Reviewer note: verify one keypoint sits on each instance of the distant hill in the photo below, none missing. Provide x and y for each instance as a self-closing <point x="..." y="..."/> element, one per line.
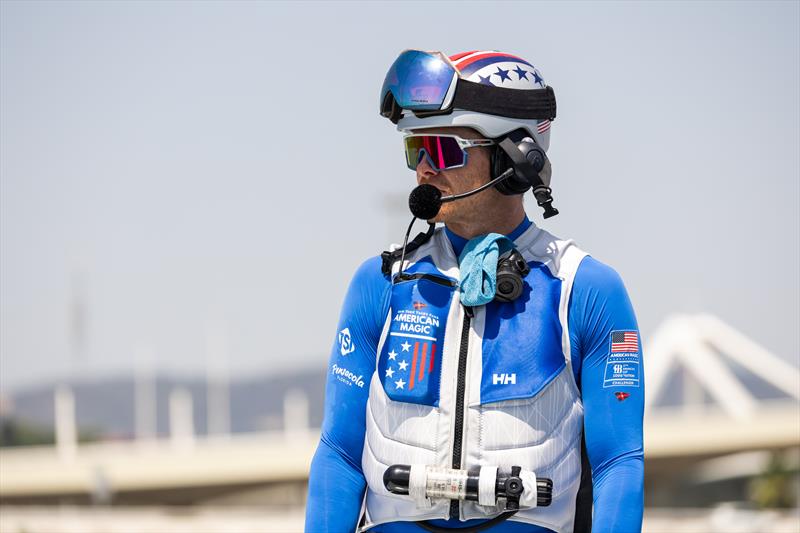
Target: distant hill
<point x="106" y="406"/>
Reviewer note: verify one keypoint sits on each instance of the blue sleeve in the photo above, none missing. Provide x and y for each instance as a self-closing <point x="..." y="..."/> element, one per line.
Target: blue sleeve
<point x="607" y="356"/>
<point x="336" y="483"/>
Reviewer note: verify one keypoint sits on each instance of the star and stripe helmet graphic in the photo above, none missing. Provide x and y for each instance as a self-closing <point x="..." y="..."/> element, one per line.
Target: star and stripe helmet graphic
<point x="493" y="68"/>
<point x="498" y="69"/>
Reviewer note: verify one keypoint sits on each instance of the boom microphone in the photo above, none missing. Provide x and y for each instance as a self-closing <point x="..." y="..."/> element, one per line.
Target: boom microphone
<point x="426" y="200"/>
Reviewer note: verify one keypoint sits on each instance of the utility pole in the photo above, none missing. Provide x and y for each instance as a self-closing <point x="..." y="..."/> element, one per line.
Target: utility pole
<point x="66" y="431"/>
<point x="218" y="408"/>
<point x="145" y="395"/>
<point x="66" y="427"/>
<point x="181" y="419"/>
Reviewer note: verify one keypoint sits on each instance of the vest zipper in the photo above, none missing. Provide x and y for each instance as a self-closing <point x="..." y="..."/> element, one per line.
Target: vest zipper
<point x="430" y="277"/>
<point x="458" y="435"/>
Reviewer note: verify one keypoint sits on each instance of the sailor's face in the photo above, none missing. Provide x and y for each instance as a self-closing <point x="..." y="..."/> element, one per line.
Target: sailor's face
<point x="458" y="180"/>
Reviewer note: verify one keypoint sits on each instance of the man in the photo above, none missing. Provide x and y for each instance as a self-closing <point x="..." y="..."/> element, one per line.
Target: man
<point x="439" y="363"/>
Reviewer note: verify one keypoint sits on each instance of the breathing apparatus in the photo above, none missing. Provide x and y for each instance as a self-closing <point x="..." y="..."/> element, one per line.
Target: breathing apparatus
<point x="501" y="96"/>
<point x="488" y="486"/>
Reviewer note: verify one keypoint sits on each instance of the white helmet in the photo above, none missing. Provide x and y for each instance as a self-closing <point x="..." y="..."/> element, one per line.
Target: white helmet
<point x="500" y="95"/>
<point x="495" y="69"/>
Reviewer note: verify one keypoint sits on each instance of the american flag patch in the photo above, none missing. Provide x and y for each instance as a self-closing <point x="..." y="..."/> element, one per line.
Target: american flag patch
<point x="543" y="126"/>
<point x="624" y="341"/>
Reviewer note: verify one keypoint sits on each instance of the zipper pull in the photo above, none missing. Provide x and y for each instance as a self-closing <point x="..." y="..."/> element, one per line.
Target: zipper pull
<point x="470" y="312"/>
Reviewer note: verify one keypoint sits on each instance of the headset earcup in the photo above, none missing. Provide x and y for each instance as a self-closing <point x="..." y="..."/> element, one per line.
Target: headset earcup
<point x="500" y="162"/>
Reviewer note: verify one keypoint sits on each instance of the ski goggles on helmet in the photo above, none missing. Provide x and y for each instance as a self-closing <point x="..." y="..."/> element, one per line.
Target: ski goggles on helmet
<point x="443" y="152"/>
<point x="427" y="83"/>
<point x="420" y="81"/>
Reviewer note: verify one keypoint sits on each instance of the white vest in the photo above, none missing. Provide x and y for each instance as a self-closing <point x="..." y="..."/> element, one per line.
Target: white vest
<point x="521" y="405"/>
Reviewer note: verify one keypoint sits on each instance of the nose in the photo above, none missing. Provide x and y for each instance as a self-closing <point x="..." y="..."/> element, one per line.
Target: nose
<point x="424" y="170"/>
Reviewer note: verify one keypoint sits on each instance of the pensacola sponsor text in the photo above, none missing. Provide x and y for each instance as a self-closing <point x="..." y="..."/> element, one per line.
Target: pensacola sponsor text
<point x="345" y="376"/>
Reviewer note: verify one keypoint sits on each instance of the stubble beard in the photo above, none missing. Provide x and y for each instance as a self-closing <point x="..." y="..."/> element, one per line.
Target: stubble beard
<point x="464" y="211"/>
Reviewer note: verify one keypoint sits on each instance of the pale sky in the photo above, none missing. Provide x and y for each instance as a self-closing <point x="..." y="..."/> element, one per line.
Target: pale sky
<point x="221" y="167"/>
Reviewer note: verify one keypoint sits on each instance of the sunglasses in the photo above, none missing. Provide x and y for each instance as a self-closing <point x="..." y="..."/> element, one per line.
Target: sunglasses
<point x="443" y="152"/>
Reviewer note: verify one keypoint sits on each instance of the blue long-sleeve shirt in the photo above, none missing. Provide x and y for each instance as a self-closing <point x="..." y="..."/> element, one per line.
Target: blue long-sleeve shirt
<point x="599" y="305"/>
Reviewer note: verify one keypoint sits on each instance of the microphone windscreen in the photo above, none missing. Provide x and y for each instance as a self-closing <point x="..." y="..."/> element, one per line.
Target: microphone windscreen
<point x="425" y="201"/>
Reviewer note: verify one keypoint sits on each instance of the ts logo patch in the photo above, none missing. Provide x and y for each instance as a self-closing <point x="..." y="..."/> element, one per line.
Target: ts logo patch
<point x="346" y="344"/>
<point x="621" y="396"/>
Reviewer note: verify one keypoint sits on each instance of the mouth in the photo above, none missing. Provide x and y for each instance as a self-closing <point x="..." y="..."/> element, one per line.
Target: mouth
<point x="441" y="189"/>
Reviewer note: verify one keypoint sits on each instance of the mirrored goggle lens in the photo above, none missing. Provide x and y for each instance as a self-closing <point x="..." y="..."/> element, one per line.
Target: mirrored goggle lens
<point x="443" y="152"/>
<point x="418" y="81"/>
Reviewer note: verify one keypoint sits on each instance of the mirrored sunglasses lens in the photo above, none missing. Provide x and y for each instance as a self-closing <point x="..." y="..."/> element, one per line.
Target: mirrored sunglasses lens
<point x="443" y="152"/>
<point x="413" y="146"/>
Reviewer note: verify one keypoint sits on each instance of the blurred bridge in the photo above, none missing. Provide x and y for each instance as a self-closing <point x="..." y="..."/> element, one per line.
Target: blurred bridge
<point x="712" y="395"/>
<point x="728" y="393"/>
<point x="720" y="410"/>
<point x="208" y="469"/>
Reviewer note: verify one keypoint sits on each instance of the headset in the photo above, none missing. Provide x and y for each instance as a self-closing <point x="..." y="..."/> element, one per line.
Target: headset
<point x="520" y="152"/>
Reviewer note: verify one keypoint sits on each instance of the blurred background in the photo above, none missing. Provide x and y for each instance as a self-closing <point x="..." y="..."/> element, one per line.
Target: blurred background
<point x="187" y="187"/>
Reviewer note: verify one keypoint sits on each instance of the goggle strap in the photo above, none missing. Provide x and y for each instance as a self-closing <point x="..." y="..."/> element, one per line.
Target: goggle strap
<point x="539" y="104"/>
<point x="390" y="109"/>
